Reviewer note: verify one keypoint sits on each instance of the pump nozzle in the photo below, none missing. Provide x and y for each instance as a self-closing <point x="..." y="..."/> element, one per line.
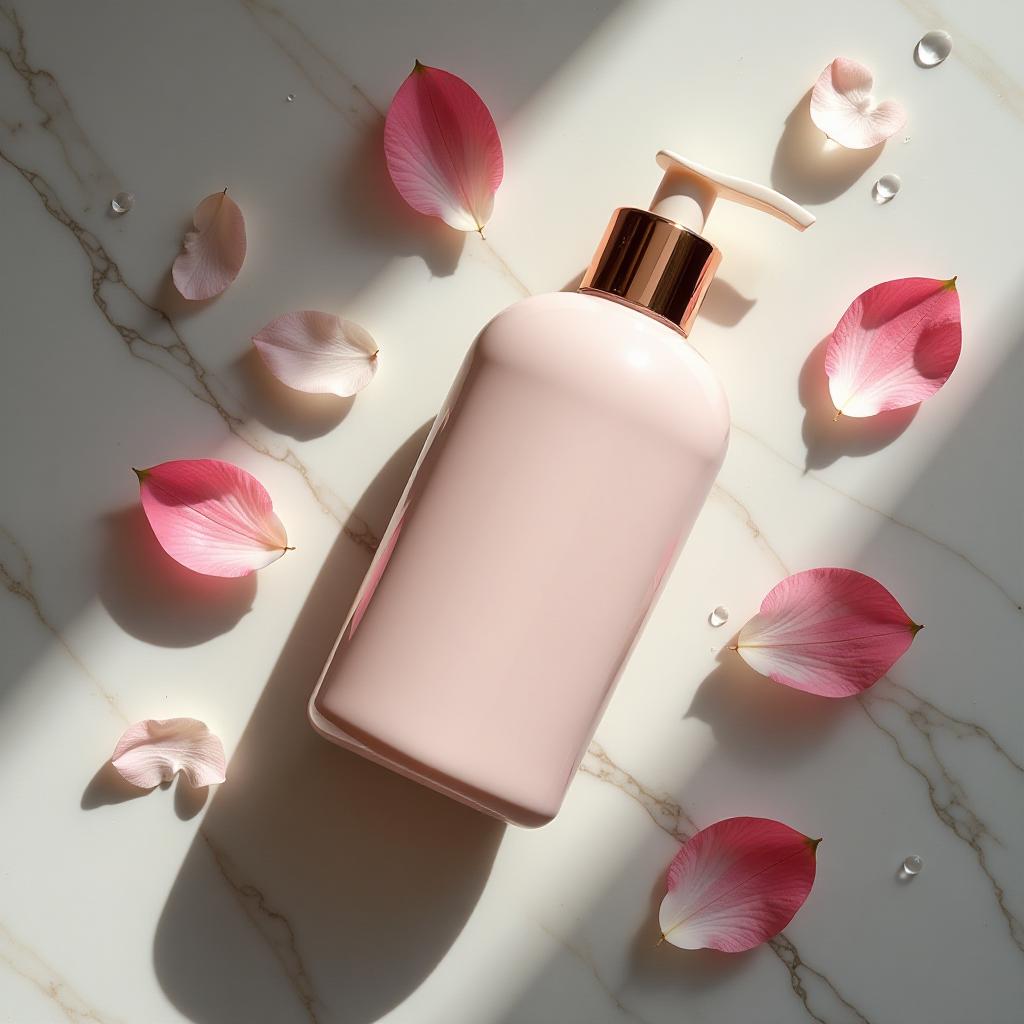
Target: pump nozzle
<point x="657" y="260"/>
<point x="688" y="192"/>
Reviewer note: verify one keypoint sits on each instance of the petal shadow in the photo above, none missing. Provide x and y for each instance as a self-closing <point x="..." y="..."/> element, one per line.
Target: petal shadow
<point x="808" y="167"/>
<point x="829" y="439"/>
<point x="154" y="598"/>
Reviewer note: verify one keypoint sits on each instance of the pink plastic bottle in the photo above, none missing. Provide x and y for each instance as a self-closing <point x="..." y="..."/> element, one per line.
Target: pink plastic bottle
<point x="560" y="480"/>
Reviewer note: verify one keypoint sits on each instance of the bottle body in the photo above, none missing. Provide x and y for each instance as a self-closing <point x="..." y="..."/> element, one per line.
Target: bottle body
<point x="564" y="472"/>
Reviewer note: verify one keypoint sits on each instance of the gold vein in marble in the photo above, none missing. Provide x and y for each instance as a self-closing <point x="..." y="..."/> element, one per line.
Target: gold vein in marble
<point x="27" y="964"/>
<point x="585" y="957"/>
<point x="885" y="515"/>
<point x="16" y="576"/>
<point x="272" y="925"/>
<point x="738" y="508"/>
<point x="900" y="714"/>
<point x="820" y="998"/>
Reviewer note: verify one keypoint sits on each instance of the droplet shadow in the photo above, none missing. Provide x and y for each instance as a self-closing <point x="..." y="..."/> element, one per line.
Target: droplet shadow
<point x="809" y="168"/>
<point x="828" y="439"/>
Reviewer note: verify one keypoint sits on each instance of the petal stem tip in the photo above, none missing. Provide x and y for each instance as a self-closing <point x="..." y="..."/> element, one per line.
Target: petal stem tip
<point x="814" y="844"/>
<point x="950" y="285"/>
<point x="418" y="66"/>
<point x="140" y="473"/>
<point x="916" y="627"/>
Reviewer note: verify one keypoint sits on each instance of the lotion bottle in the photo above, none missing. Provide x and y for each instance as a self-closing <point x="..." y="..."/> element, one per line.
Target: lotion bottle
<point x="552" y="496"/>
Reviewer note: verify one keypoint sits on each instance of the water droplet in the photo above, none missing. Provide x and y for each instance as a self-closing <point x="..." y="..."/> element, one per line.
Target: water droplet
<point x="910" y="868"/>
<point x="885" y="188"/>
<point x="906" y="139"/>
<point x="933" y="48"/>
<point x="290" y="98"/>
<point x="122" y="202"/>
<point x="719" y="616"/>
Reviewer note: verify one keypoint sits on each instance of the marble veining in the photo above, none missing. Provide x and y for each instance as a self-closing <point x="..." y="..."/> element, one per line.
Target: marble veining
<point x="93" y="101"/>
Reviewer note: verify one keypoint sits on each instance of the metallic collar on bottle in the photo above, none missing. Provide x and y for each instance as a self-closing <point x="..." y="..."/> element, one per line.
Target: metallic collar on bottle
<point x="653" y="265"/>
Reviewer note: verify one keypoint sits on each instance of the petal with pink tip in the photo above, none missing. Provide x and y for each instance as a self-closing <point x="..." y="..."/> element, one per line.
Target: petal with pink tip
<point x="318" y="352"/>
<point x="154" y="751"/>
<point x="211" y="516"/>
<point x="843" y="107"/>
<point x="832" y="632"/>
<point x="213" y="253"/>
<point x="895" y="346"/>
<point x="736" y="884"/>
<point x="442" y="148"/>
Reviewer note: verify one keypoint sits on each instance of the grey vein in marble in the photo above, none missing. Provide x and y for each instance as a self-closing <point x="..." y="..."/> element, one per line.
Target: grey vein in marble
<point x="342" y="94"/>
<point x="147" y="332"/>
<point x="820" y="998"/>
<point x="913" y="724"/>
<point x="272" y="925"/>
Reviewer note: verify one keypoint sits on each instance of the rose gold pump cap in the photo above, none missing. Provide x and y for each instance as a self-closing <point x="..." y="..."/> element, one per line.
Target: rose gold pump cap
<point x="656" y="260"/>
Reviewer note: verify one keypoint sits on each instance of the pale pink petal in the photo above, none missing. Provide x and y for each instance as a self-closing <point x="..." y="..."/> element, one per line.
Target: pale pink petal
<point x="833" y="632"/>
<point x="736" y="883"/>
<point x="154" y="751"/>
<point x="214" y="252"/>
<point x="442" y="148"/>
<point x="843" y="107"/>
<point x="318" y="352"/>
<point x="895" y="346"/>
<point x="212" y="516"/>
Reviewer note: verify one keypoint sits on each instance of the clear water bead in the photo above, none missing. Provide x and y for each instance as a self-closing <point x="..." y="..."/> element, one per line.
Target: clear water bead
<point x="122" y="202"/>
<point x="885" y="188"/>
<point x="912" y="865"/>
<point x="933" y="48"/>
<point x="719" y="616"/>
<point x="290" y="98"/>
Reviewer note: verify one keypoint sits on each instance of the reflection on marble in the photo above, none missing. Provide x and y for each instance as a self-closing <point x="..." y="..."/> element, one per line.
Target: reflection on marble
<point x="313" y="886"/>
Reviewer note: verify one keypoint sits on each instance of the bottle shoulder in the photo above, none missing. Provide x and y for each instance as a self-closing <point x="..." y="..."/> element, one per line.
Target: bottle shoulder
<point x="613" y="352"/>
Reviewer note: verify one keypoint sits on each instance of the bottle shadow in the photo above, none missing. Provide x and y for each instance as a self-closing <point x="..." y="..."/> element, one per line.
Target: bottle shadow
<point x="828" y="439"/>
<point x="320" y="885"/>
<point x="809" y="168"/>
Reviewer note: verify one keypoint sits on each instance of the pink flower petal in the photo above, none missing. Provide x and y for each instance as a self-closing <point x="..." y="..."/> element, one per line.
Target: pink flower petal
<point x="895" y="346"/>
<point x="214" y="252"/>
<point x="844" y="109"/>
<point x="833" y="632"/>
<point x="736" y="883"/>
<point x="442" y="148"/>
<point x="154" y="751"/>
<point x="318" y="352"/>
<point x="212" y="517"/>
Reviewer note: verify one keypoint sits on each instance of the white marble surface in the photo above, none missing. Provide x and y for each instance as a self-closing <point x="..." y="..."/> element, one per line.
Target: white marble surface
<point x="313" y="886"/>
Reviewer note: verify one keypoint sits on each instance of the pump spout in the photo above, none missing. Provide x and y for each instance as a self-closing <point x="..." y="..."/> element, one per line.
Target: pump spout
<point x="658" y="260"/>
<point x="688" y="192"/>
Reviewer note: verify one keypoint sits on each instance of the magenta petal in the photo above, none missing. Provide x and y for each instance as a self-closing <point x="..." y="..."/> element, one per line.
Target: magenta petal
<point x="212" y="516"/>
<point x="832" y="632"/>
<point x="154" y="751"/>
<point x="442" y="148"/>
<point x="736" y="883"/>
<point x="213" y="253"/>
<point x="895" y="346"/>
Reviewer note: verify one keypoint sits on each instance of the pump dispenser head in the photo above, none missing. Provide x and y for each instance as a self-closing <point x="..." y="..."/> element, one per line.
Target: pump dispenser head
<point x="657" y="260"/>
